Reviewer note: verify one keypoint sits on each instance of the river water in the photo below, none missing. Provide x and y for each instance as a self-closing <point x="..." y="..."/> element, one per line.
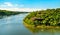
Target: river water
<point x="13" y="25"/>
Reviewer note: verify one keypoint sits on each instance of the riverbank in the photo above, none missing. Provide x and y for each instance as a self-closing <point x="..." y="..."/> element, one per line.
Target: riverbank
<point x="42" y="26"/>
<point x="5" y="13"/>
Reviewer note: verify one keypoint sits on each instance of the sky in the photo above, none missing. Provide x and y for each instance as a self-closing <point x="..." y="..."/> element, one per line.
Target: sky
<point x="28" y="5"/>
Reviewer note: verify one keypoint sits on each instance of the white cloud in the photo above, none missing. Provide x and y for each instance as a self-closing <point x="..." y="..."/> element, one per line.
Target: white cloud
<point x="21" y="9"/>
<point x="14" y="7"/>
<point x="8" y="4"/>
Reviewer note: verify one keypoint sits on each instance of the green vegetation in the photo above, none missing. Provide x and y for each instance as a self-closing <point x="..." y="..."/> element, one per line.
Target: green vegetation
<point x="7" y="13"/>
<point x="51" y="17"/>
<point x="37" y="30"/>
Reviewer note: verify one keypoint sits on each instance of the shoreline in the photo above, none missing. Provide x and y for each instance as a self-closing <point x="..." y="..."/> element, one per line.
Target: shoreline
<point x="42" y="26"/>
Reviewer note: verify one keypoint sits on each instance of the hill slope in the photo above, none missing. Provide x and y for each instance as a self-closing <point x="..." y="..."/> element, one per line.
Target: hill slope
<point x="48" y="17"/>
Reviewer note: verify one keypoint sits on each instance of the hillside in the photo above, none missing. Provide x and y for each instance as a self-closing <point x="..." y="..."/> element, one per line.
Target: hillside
<point x="48" y="17"/>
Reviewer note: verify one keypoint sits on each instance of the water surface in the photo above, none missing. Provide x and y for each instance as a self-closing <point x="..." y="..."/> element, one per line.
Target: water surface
<point x="13" y="25"/>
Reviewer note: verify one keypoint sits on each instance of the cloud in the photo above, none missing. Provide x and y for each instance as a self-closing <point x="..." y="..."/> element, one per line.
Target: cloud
<point x="9" y="4"/>
<point x="21" y="9"/>
<point x="6" y="4"/>
<point x="16" y="7"/>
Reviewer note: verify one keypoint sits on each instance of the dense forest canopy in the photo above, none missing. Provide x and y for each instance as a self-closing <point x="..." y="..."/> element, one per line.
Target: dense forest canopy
<point x="7" y="13"/>
<point x="51" y="17"/>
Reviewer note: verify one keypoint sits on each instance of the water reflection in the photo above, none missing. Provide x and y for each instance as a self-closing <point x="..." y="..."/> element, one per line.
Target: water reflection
<point x="43" y="31"/>
<point x="13" y="25"/>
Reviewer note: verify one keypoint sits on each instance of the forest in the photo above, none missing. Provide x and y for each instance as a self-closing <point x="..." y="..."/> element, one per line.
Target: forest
<point x="7" y="13"/>
<point x="48" y="17"/>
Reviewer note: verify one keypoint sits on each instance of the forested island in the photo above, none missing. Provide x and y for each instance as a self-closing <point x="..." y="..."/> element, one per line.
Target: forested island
<point x="43" y="18"/>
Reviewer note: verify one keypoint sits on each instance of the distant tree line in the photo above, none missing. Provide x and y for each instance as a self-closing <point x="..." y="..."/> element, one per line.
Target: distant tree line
<point x="8" y="13"/>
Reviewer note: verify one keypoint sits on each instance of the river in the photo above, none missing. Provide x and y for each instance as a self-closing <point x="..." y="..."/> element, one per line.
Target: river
<point x="13" y="25"/>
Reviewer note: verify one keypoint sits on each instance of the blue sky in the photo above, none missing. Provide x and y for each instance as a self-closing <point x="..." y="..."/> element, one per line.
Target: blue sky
<point x="29" y="4"/>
